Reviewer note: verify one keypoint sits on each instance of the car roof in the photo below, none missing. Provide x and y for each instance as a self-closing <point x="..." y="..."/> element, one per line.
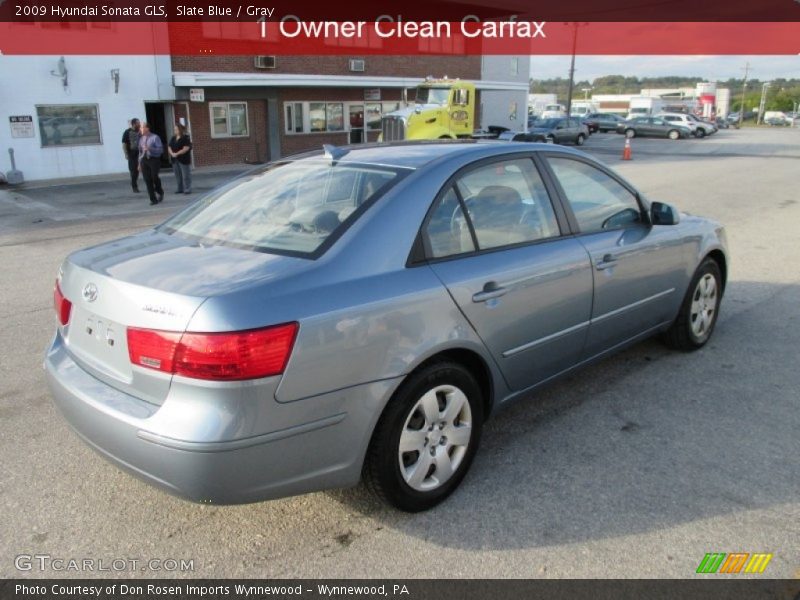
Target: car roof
<point x="417" y="154"/>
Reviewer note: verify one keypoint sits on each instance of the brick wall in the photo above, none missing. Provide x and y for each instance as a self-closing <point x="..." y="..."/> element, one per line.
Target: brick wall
<point x="222" y="151"/>
<point x="464" y="67"/>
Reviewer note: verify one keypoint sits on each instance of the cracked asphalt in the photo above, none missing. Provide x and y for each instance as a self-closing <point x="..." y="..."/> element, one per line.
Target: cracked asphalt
<point x="634" y="467"/>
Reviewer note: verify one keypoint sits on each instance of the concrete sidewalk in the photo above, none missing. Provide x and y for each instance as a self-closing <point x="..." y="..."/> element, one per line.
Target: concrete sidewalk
<point x="41" y="204"/>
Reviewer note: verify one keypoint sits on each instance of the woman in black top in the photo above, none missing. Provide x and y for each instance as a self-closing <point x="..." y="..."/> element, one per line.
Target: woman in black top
<point x="180" y="149"/>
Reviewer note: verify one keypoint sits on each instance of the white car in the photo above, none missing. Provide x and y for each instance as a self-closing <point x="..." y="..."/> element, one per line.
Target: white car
<point x="553" y="111"/>
<point x="696" y="126"/>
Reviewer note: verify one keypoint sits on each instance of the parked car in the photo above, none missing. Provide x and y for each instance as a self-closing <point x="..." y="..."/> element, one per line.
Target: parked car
<point x="362" y="312"/>
<point x="777" y="121"/>
<point x="591" y="126"/>
<point x="560" y="131"/>
<point x="696" y="127"/>
<point x="653" y="127"/>
<point x="603" y="121"/>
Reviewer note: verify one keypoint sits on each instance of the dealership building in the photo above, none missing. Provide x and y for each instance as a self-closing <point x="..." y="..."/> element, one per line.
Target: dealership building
<point x="64" y="116"/>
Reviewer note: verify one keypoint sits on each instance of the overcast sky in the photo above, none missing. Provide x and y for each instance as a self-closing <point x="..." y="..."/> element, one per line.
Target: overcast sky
<point x="709" y="67"/>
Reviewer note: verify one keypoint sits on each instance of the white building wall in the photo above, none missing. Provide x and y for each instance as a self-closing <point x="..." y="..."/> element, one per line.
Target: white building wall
<point x="26" y="81"/>
<point x="497" y="105"/>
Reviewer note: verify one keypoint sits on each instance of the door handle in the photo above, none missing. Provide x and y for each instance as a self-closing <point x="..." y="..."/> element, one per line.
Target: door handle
<point x="607" y="262"/>
<point x="490" y="291"/>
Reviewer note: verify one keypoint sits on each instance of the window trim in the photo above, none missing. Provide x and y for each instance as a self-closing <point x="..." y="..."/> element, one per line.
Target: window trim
<point x="421" y="254"/>
<point x="564" y="200"/>
<point x="227" y="104"/>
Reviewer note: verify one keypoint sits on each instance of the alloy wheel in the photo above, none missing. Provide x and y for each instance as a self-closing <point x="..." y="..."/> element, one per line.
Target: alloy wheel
<point x="704" y="306"/>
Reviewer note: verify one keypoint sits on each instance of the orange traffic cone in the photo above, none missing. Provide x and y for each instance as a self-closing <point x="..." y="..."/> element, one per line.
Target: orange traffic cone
<point x="626" y="153"/>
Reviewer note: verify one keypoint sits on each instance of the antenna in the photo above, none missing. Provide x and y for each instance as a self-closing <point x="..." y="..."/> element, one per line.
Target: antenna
<point x="334" y="153"/>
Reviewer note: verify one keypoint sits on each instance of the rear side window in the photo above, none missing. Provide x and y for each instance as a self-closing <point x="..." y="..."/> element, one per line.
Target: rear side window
<point x="506" y="204"/>
<point x="288" y="209"/>
<point x="598" y="201"/>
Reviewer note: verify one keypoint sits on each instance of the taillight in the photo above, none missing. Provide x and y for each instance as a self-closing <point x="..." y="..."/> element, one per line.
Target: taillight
<point x="61" y="304"/>
<point x="217" y="356"/>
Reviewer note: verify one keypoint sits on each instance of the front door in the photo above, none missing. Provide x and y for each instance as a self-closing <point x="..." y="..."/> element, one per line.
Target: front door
<point x="637" y="267"/>
<point x="495" y="242"/>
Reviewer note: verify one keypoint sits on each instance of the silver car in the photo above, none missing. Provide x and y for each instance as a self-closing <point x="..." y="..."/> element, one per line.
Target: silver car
<point x="359" y="313"/>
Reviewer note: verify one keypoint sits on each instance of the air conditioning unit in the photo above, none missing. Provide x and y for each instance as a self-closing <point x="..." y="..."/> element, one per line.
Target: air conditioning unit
<point x="358" y="65"/>
<point x="264" y="62"/>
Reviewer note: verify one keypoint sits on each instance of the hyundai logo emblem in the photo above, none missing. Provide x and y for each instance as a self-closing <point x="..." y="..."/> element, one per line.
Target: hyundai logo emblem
<point x="90" y="292"/>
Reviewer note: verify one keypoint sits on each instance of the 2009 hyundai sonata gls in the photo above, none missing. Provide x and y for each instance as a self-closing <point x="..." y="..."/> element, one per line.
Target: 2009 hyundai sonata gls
<point x="361" y="312"/>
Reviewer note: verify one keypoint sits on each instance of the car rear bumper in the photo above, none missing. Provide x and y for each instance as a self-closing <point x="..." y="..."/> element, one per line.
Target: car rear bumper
<point x="316" y="443"/>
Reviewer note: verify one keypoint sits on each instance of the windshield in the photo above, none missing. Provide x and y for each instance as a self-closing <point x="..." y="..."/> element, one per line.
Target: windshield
<point x="547" y="123"/>
<point x="291" y="208"/>
<point x="433" y="95"/>
<point x="552" y="107"/>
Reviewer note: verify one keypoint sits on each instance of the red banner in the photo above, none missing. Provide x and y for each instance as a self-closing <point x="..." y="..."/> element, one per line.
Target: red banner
<point x="392" y="38"/>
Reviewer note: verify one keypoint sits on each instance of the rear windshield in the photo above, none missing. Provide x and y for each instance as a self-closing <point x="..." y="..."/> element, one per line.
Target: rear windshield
<point x="293" y="208"/>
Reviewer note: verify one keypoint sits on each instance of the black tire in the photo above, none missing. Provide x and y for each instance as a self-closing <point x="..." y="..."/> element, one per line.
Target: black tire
<point x="381" y="472"/>
<point x="550" y="139"/>
<point x="580" y="139"/>
<point x="681" y="335"/>
<point x="630" y="133"/>
<point x="700" y="133"/>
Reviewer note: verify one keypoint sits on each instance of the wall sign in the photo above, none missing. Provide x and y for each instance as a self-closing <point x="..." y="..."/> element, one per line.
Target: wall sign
<point x="197" y="94"/>
<point x="372" y="94"/>
<point x="21" y="126"/>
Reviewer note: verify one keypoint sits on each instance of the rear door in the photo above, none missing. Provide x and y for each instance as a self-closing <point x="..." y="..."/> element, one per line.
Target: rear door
<point x="494" y="238"/>
<point x="638" y="268"/>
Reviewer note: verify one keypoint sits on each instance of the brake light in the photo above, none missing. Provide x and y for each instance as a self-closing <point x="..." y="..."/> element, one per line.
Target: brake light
<point x="215" y="356"/>
<point x="61" y="304"/>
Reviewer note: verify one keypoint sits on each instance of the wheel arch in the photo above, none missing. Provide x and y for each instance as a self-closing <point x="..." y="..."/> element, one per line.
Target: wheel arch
<point x="474" y="363"/>
<point x="718" y="256"/>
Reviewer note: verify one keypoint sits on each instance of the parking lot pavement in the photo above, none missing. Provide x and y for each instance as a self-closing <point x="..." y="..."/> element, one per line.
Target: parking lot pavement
<point x="635" y="467"/>
<point x="726" y="143"/>
<point x="37" y="206"/>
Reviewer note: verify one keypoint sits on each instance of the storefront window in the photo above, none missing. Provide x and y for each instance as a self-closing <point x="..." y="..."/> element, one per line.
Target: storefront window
<point x="334" y="111"/>
<point x="68" y="124"/>
<point x="228" y="119"/>
<point x="316" y="116"/>
<point x="374" y="115"/>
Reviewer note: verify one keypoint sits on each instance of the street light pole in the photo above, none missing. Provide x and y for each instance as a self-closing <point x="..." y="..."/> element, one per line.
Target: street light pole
<point x="762" y="105"/>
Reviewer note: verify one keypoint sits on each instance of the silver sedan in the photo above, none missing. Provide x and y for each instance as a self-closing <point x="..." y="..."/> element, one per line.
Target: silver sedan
<point x="359" y="313"/>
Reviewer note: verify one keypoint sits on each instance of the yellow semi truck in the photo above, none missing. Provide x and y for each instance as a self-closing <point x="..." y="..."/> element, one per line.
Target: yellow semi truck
<point x="442" y="109"/>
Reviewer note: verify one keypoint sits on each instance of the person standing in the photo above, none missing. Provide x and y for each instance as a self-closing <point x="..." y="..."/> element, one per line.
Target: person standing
<point x="180" y="149"/>
<point x="130" y="147"/>
<point x="150" y="151"/>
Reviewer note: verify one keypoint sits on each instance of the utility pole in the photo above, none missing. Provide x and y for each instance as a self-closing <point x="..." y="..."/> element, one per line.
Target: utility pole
<point x="744" y="89"/>
<point x="572" y="70"/>
<point x="763" y="104"/>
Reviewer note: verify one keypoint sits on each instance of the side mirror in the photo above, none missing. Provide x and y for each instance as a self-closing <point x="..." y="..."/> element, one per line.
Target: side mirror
<point x="664" y="214"/>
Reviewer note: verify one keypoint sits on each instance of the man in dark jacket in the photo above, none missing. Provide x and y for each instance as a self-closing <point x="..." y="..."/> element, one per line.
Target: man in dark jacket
<point x="130" y="148"/>
<point x="150" y="151"/>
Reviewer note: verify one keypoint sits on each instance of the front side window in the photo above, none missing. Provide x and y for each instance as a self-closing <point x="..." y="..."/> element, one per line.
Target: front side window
<point x="68" y="125"/>
<point x="598" y="201"/>
<point x="433" y="95"/>
<point x="291" y="208"/>
<point x="228" y="119"/>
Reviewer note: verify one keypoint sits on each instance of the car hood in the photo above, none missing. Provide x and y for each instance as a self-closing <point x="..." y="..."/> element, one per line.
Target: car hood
<point x="172" y="264"/>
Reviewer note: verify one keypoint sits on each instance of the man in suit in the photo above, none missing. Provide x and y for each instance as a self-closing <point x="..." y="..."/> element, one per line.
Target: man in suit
<point x="150" y="151"/>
